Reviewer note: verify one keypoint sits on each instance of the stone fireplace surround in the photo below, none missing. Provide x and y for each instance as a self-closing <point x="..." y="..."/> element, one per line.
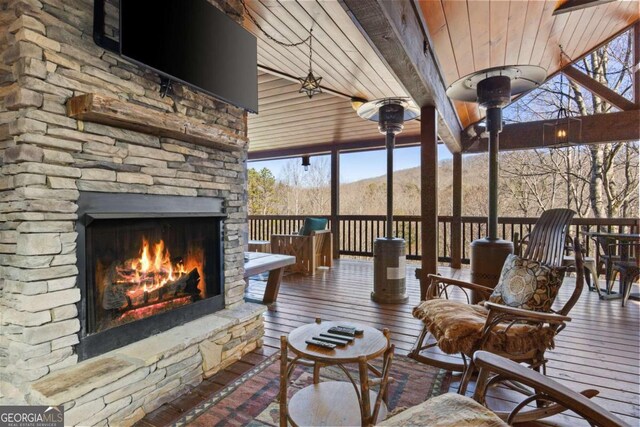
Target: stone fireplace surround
<point x="48" y="56"/>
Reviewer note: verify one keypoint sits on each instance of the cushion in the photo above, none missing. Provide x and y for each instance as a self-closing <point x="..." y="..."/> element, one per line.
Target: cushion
<point x="457" y="327"/>
<point x="446" y="410"/>
<point x="527" y="284"/>
<point x="313" y="224"/>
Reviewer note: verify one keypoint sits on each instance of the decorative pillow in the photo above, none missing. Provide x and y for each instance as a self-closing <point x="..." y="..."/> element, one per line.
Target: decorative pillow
<point x="527" y="284"/>
<point x="313" y="224"/>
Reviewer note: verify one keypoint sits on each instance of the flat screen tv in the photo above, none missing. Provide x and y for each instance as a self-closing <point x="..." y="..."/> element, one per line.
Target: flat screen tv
<point x="192" y="42"/>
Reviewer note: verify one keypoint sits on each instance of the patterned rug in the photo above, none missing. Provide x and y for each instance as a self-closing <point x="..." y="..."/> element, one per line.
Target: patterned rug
<point x="251" y="400"/>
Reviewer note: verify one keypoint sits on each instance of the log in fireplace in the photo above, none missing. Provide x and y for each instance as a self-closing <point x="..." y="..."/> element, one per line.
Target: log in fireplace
<point x="146" y="264"/>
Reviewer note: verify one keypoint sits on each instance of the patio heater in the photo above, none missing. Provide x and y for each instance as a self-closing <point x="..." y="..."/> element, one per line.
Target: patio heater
<point x="389" y="272"/>
<point x="492" y="89"/>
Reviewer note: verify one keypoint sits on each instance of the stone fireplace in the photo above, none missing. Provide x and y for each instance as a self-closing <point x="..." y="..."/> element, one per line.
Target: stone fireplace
<point x="146" y="263"/>
<point x="121" y="251"/>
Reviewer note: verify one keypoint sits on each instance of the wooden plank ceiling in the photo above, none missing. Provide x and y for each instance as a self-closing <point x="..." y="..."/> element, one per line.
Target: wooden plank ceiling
<point x="472" y="35"/>
<point x="342" y="57"/>
<point x="467" y="36"/>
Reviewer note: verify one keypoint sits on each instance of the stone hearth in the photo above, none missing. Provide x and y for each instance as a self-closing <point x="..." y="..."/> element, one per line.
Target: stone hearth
<point x="47" y="57"/>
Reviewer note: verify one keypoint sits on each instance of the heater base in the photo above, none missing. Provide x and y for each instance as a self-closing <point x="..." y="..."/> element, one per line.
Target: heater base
<point x="389" y="271"/>
<point x="487" y="259"/>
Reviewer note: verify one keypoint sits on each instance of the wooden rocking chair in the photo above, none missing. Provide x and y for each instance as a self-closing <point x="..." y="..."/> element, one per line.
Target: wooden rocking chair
<point x="522" y="335"/>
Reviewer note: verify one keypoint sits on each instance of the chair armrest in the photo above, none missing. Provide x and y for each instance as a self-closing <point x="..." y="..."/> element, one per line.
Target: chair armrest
<point x="288" y="235"/>
<point x="534" y="316"/>
<point x="435" y="279"/>
<point x="563" y="395"/>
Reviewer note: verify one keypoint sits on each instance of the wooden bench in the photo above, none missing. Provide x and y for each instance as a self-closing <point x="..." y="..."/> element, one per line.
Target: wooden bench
<point x="260" y="262"/>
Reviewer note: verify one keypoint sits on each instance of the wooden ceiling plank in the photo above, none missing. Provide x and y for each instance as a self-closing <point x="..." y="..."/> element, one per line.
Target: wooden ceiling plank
<point x="498" y="30"/>
<point x="479" y="13"/>
<point x="550" y="47"/>
<point x="298" y="54"/>
<point x="596" y="129"/>
<point x="588" y="19"/>
<point x="551" y="58"/>
<point x="327" y="125"/>
<point x="598" y="89"/>
<point x="605" y="14"/>
<point x="348" y="52"/>
<point x="517" y="16"/>
<point x="290" y="107"/>
<point x="284" y="151"/>
<point x="300" y="115"/>
<point x="544" y="31"/>
<point x="395" y="29"/>
<point x="274" y="85"/>
<point x="324" y="33"/>
<point x="437" y="26"/>
<point x="361" y="43"/>
<point x="530" y="31"/>
<point x="457" y="16"/>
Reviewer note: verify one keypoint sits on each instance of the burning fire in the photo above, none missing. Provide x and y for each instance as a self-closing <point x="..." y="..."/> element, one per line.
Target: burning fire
<point x="153" y="270"/>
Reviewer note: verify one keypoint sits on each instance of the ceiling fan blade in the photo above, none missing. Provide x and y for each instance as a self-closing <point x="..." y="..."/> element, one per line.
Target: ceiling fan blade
<point x="565" y="6"/>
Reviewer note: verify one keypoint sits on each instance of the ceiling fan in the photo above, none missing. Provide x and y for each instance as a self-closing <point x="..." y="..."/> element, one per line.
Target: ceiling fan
<point x="565" y="6"/>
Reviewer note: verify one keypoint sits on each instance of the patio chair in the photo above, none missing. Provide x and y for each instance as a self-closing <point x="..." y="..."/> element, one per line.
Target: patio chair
<point x="515" y="319"/>
<point x="312" y="247"/>
<point x="450" y="409"/>
<point x="628" y="266"/>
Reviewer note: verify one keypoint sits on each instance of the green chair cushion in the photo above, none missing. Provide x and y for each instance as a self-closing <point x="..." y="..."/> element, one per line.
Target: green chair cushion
<point x="313" y="224"/>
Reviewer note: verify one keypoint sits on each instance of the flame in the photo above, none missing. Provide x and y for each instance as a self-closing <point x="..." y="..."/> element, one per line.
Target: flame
<point x="152" y="270"/>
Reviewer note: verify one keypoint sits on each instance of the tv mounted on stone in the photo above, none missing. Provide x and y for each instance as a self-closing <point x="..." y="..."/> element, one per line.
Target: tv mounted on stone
<point x="189" y="41"/>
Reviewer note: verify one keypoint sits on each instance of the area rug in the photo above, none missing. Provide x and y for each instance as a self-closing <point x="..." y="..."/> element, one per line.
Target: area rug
<point x="252" y="400"/>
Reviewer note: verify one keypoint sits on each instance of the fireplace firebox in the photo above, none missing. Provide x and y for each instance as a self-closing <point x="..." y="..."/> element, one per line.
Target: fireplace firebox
<point x="146" y="264"/>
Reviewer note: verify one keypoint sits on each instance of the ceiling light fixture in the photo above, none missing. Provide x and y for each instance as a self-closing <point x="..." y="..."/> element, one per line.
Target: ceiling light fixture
<point x="306" y="162"/>
<point x="311" y="83"/>
<point x="566" y="130"/>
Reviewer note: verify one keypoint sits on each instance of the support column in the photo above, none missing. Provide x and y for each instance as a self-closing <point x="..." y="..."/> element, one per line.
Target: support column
<point x="636" y="63"/>
<point x="429" y="195"/>
<point x="335" y="201"/>
<point x="456" y="208"/>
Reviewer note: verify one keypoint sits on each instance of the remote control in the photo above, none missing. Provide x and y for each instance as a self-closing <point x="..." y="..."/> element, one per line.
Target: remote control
<point x="355" y="330"/>
<point x="341" y="330"/>
<point x="344" y="338"/>
<point x="330" y="340"/>
<point x="321" y="344"/>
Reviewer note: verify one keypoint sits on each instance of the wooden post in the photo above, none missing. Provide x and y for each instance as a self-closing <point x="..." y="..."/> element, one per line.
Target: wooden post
<point x="456" y="208"/>
<point x="636" y="63"/>
<point x="335" y="201"/>
<point x="429" y="194"/>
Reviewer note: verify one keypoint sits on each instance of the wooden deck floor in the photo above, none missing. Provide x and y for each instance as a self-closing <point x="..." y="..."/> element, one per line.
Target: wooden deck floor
<point x="598" y="349"/>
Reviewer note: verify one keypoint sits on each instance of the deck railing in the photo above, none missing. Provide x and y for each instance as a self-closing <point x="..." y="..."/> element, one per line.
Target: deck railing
<point x="357" y="232"/>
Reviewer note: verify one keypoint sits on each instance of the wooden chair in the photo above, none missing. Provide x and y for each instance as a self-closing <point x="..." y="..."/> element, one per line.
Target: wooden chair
<point x="628" y="266"/>
<point x="515" y="333"/>
<point x="311" y="252"/>
<point x="494" y="370"/>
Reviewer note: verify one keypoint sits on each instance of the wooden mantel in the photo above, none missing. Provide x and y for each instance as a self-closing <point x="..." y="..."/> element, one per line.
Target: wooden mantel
<point x="93" y="107"/>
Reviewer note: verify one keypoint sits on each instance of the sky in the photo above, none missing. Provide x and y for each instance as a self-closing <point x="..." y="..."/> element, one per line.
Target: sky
<point x="364" y="164"/>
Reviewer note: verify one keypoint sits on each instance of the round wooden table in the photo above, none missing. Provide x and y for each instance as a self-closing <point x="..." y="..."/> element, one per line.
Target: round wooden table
<point x="334" y="403"/>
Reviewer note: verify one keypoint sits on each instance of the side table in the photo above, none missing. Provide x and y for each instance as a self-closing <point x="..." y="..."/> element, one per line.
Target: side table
<point x="335" y="403"/>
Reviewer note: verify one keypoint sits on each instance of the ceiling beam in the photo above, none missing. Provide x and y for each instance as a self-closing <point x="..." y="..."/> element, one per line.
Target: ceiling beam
<point x="395" y="29"/>
<point x="571" y="5"/>
<point x="598" y="88"/>
<point x="596" y="129"/>
<point x="325" y="148"/>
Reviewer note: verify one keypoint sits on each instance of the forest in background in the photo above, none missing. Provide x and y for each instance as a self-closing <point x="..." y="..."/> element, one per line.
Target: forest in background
<point x="530" y="182"/>
<point x="594" y="180"/>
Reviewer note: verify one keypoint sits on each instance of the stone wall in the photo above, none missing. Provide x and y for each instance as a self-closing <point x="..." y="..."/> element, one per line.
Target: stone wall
<point x="47" y="56"/>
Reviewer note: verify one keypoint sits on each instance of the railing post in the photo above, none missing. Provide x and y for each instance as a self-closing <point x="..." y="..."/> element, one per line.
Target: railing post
<point x="456" y="208"/>
<point x="335" y="201"/>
